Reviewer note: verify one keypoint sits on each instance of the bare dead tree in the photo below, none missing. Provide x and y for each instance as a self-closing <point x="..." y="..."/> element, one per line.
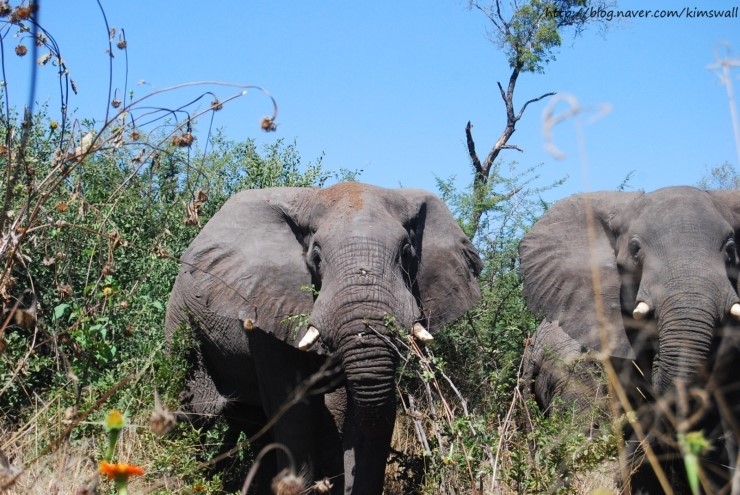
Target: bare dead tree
<point x="529" y="33"/>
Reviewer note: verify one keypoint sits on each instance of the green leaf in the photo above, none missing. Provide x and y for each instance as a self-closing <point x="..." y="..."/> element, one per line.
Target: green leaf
<point x="59" y="310"/>
<point x="692" y="445"/>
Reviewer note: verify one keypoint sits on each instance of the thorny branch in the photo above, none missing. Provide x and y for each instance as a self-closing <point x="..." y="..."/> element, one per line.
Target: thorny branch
<point x="421" y="361"/>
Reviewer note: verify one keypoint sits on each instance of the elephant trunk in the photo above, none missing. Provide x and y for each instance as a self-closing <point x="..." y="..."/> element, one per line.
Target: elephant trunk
<point x="686" y="324"/>
<point x="369" y="364"/>
<point x="361" y="300"/>
<point x="682" y="355"/>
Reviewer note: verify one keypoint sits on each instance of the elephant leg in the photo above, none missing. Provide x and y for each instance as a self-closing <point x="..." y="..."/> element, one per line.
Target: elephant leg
<point x="366" y="448"/>
<point x="281" y="370"/>
<point x="333" y="420"/>
<point x="337" y="403"/>
<point x="728" y="401"/>
<point x="242" y="418"/>
<point x="644" y="481"/>
<point x="201" y="399"/>
<point x="532" y="361"/>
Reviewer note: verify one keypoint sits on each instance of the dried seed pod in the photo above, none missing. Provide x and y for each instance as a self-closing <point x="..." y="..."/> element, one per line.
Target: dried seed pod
<point x="268" y="124"/>
<point x="183" y="140"/>
<point x="323" y="487"/>
<point x="162" y="421"/>
<point x="288" y="483"/>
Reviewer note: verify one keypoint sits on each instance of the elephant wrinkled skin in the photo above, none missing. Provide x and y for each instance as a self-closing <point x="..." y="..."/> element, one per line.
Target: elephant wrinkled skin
<point x="649" y="280"/>
<point x="284" y="282"/>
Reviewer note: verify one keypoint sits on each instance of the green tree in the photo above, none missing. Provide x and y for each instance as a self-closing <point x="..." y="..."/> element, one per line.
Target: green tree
<point x="530" y="34"/>
<point x="724" y="176"/>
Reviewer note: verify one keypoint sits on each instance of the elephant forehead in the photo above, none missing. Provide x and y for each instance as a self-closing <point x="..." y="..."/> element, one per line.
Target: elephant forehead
<point x="345" y="195"/>
<point x="364" y="231"/>
<point x="677" y="210"/>
<point x="679" y="201"/>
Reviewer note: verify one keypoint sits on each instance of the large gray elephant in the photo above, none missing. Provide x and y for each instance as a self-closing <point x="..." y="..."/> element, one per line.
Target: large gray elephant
<point x="648" y="280"/>
<point x="284" y="282"/>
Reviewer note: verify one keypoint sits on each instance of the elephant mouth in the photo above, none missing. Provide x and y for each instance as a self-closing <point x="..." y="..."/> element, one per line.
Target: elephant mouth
<point x="676" y="341"/>
<point x="313" y="335"/>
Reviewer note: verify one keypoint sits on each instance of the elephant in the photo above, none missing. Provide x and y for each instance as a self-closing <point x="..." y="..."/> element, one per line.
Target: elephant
<point x="648" y="283"/>
<point x="286" y="284"/>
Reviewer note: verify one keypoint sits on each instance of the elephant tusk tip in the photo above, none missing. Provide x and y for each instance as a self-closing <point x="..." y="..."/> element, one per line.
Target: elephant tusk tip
<point x="312" y="335"/>
<point x="641" y="311"/>
<point x="248" y="325"/>
<point x="735" y="310"/>
<point x="421" y="333"/>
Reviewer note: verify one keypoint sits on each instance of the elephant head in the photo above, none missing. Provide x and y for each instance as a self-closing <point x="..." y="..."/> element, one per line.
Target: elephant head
<point x="337" y="272"/>
<point x="636" y="273"/>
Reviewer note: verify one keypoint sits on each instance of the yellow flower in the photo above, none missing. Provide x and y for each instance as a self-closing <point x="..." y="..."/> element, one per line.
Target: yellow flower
<point x="114" y="420"/>
<point x="119" y="471"/>
<point x="114" y="423"/>
<point x="107" y="291"/>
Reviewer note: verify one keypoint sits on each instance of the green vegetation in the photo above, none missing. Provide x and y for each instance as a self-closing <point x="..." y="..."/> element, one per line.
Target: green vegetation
<point x="723" y="176"/>
<point x="101" y="256"/>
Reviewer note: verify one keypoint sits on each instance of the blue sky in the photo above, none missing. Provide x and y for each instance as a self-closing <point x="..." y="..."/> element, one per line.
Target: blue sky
<point x="387" y="87"/>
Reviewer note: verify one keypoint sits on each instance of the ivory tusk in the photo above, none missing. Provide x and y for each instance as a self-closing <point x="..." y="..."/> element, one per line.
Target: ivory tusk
<point x="642" y="310"/>
<point x="735" y="311"/>
<point x="420" y="333"/>
<point x="309" y="339"/>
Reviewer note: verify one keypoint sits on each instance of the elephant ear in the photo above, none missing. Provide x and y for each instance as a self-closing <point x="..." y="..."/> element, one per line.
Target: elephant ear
<point x="569" y="266"/>
<point x="248" y="262"/>
<point x="448" y="263"/>
<point x="728" y="202"/>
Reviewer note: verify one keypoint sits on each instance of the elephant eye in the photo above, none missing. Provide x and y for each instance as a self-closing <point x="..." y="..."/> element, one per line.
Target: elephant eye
<point x="316" y="257"/>
<point x="731" y="251"/>
<point x="407" y="251"/>
<point x="635" y="248"/>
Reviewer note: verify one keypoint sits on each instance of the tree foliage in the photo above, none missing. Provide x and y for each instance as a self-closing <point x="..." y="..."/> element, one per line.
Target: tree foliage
<point x="723" y="176"/>
<point x="531" y="32"/>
